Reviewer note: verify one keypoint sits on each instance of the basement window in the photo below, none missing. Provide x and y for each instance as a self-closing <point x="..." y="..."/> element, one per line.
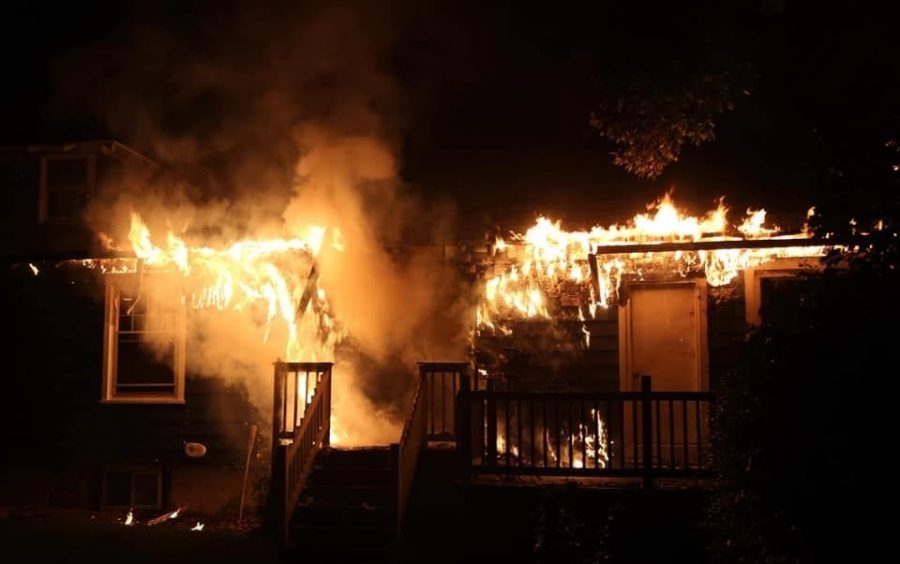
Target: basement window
<point x="136" y="487"/>
<point x="144" y="339"/>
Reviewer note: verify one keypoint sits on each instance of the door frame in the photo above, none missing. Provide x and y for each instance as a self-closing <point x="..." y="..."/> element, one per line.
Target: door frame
<point x="627" y="380"/>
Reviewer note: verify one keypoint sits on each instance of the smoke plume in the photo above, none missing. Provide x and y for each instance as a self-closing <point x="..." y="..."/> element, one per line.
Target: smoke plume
<point x="266" y="123"/>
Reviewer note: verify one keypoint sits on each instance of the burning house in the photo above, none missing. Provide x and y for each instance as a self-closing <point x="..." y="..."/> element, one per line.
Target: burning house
<point x="661" y="301"/>
<point x="141" y="364"/>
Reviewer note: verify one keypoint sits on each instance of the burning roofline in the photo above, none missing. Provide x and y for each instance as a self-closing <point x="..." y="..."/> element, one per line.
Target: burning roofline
<point x="713" y="245"/>
<point x="658" y="247"/>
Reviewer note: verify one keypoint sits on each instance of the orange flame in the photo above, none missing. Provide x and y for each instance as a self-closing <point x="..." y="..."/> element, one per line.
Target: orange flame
<point x="547" y="258"/>
<point x="273" y="272"/>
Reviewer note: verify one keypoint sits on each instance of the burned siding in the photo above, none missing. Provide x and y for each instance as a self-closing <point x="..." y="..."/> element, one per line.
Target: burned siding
<point x="48" y="189"/>
<point x="726" y="327"/>
<point x="556" y="355"/>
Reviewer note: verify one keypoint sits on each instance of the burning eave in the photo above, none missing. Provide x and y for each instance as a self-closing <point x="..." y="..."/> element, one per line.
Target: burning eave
<point x="553" y="274"/>
<point x="713" y="245"/>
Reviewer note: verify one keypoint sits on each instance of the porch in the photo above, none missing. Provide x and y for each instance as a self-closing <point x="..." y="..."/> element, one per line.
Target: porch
<point x="473" y="436"/>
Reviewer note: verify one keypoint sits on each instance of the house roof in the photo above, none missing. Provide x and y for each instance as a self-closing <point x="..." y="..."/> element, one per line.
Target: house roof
<point x="108" y="147"/>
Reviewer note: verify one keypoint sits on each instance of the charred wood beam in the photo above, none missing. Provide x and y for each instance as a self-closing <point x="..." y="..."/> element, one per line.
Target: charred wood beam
<point x="63" y="256"/>
<point x="308" y="290"/>
<point x="711" y="245"/>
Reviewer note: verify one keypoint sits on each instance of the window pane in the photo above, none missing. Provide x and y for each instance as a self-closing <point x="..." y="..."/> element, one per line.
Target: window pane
<point x="66" y="172"/>
<point x="118" y="488"/>
<point x="64" y="203"/>
<point x="144" y="367"/>
<point x="149" y="338"/>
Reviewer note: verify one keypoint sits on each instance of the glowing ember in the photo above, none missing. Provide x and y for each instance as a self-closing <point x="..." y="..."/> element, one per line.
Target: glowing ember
<point x="584" y="447"/>
<point x="198" y="527"/>
<point x="546" y="260"/>
<point x="174" y="514"/>
<point x="34" y="269"/>
<point x="129" y="519"/>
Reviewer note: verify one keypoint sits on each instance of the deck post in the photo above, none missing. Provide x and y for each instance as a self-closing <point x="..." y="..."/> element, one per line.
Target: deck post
<point x="647" y="431"/>
<point x="463" y="415"/>
<point x="491" y="430"/>
<point x="277" y="492"/>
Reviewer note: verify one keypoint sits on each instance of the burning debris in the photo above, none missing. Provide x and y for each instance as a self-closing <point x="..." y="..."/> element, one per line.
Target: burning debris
<point x="198" y="527"/>
<point x="129" y="519"/>
<point x="169" y="516"/>
<point x="550" y="273"/>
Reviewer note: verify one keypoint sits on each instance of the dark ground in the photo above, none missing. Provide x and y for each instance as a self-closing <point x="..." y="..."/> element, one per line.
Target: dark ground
<point x="80" y="535"/>
<point x="490" y="524"/>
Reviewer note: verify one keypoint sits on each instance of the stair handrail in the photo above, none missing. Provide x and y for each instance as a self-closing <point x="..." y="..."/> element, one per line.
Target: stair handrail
<point x="294" y="446"/>
<point x="405" y="454"/>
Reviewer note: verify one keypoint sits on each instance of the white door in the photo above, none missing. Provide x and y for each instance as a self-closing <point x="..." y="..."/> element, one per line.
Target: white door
<point x="663" y="329"/>
<point x="664" y="337"/>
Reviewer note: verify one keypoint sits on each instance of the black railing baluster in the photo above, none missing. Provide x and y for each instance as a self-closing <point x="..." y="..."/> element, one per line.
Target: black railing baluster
<point x="521" y="443"/>
<point x="647" y="431"/>
<point x="531" y="410"/>
<point x="699" y="437"/>
<point x="607" y="419"/>
<point x="684" y="426"/>
<point x="431" y="400"/>
<point x="443" y="403"/>
<point x="571" y="440"/>
<point x="635" y="433"/>
<point x="506" y="429"/>
<point x="557" y="432"/>
<point x="658" y="436"/>
<point x="583" y="431"/>
<point x="544" y="429"/>
<point x="672" y="434"/>
<point x="622" y="446"/>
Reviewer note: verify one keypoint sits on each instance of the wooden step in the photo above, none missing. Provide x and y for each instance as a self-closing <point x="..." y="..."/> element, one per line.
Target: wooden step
<point x="338" y="495"/>
<point x="344" y="515"/>
<point x="320" y="537"/>
<point x="340" y="555"/>
<point x="350" y="476"/>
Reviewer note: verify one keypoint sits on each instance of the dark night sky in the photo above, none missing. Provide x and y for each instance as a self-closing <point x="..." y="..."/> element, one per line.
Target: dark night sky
<point x="496" y="99"/>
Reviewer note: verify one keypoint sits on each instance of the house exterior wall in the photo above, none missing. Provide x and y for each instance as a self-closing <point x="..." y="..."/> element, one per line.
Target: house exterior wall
<point x="59" y="439"/>
<point x="596" y="367"/>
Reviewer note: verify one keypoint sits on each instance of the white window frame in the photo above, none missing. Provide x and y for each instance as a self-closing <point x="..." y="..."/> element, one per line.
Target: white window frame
<point x="111" y="346"/>
<point x="778" y="268"/>
<point x="627" y="381"/>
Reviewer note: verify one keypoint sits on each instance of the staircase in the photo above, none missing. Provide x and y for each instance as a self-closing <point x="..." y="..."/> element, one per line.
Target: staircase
<point x="347" y="510"/>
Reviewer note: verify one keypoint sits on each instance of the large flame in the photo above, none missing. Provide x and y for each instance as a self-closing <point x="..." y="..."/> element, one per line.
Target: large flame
<point x="540" y="263"/>
<point x="273" y="273"/>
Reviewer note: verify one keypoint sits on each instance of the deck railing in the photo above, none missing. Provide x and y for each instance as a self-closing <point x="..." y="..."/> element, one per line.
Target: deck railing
<point x="432" y="417"/>
<point x="301" y="427"/>
<point x="445" y="380"/>
<point x="642" y="434"/>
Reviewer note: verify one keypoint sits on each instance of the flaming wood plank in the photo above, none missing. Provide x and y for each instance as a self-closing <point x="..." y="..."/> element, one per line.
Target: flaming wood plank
<point x="711" y="245"/>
